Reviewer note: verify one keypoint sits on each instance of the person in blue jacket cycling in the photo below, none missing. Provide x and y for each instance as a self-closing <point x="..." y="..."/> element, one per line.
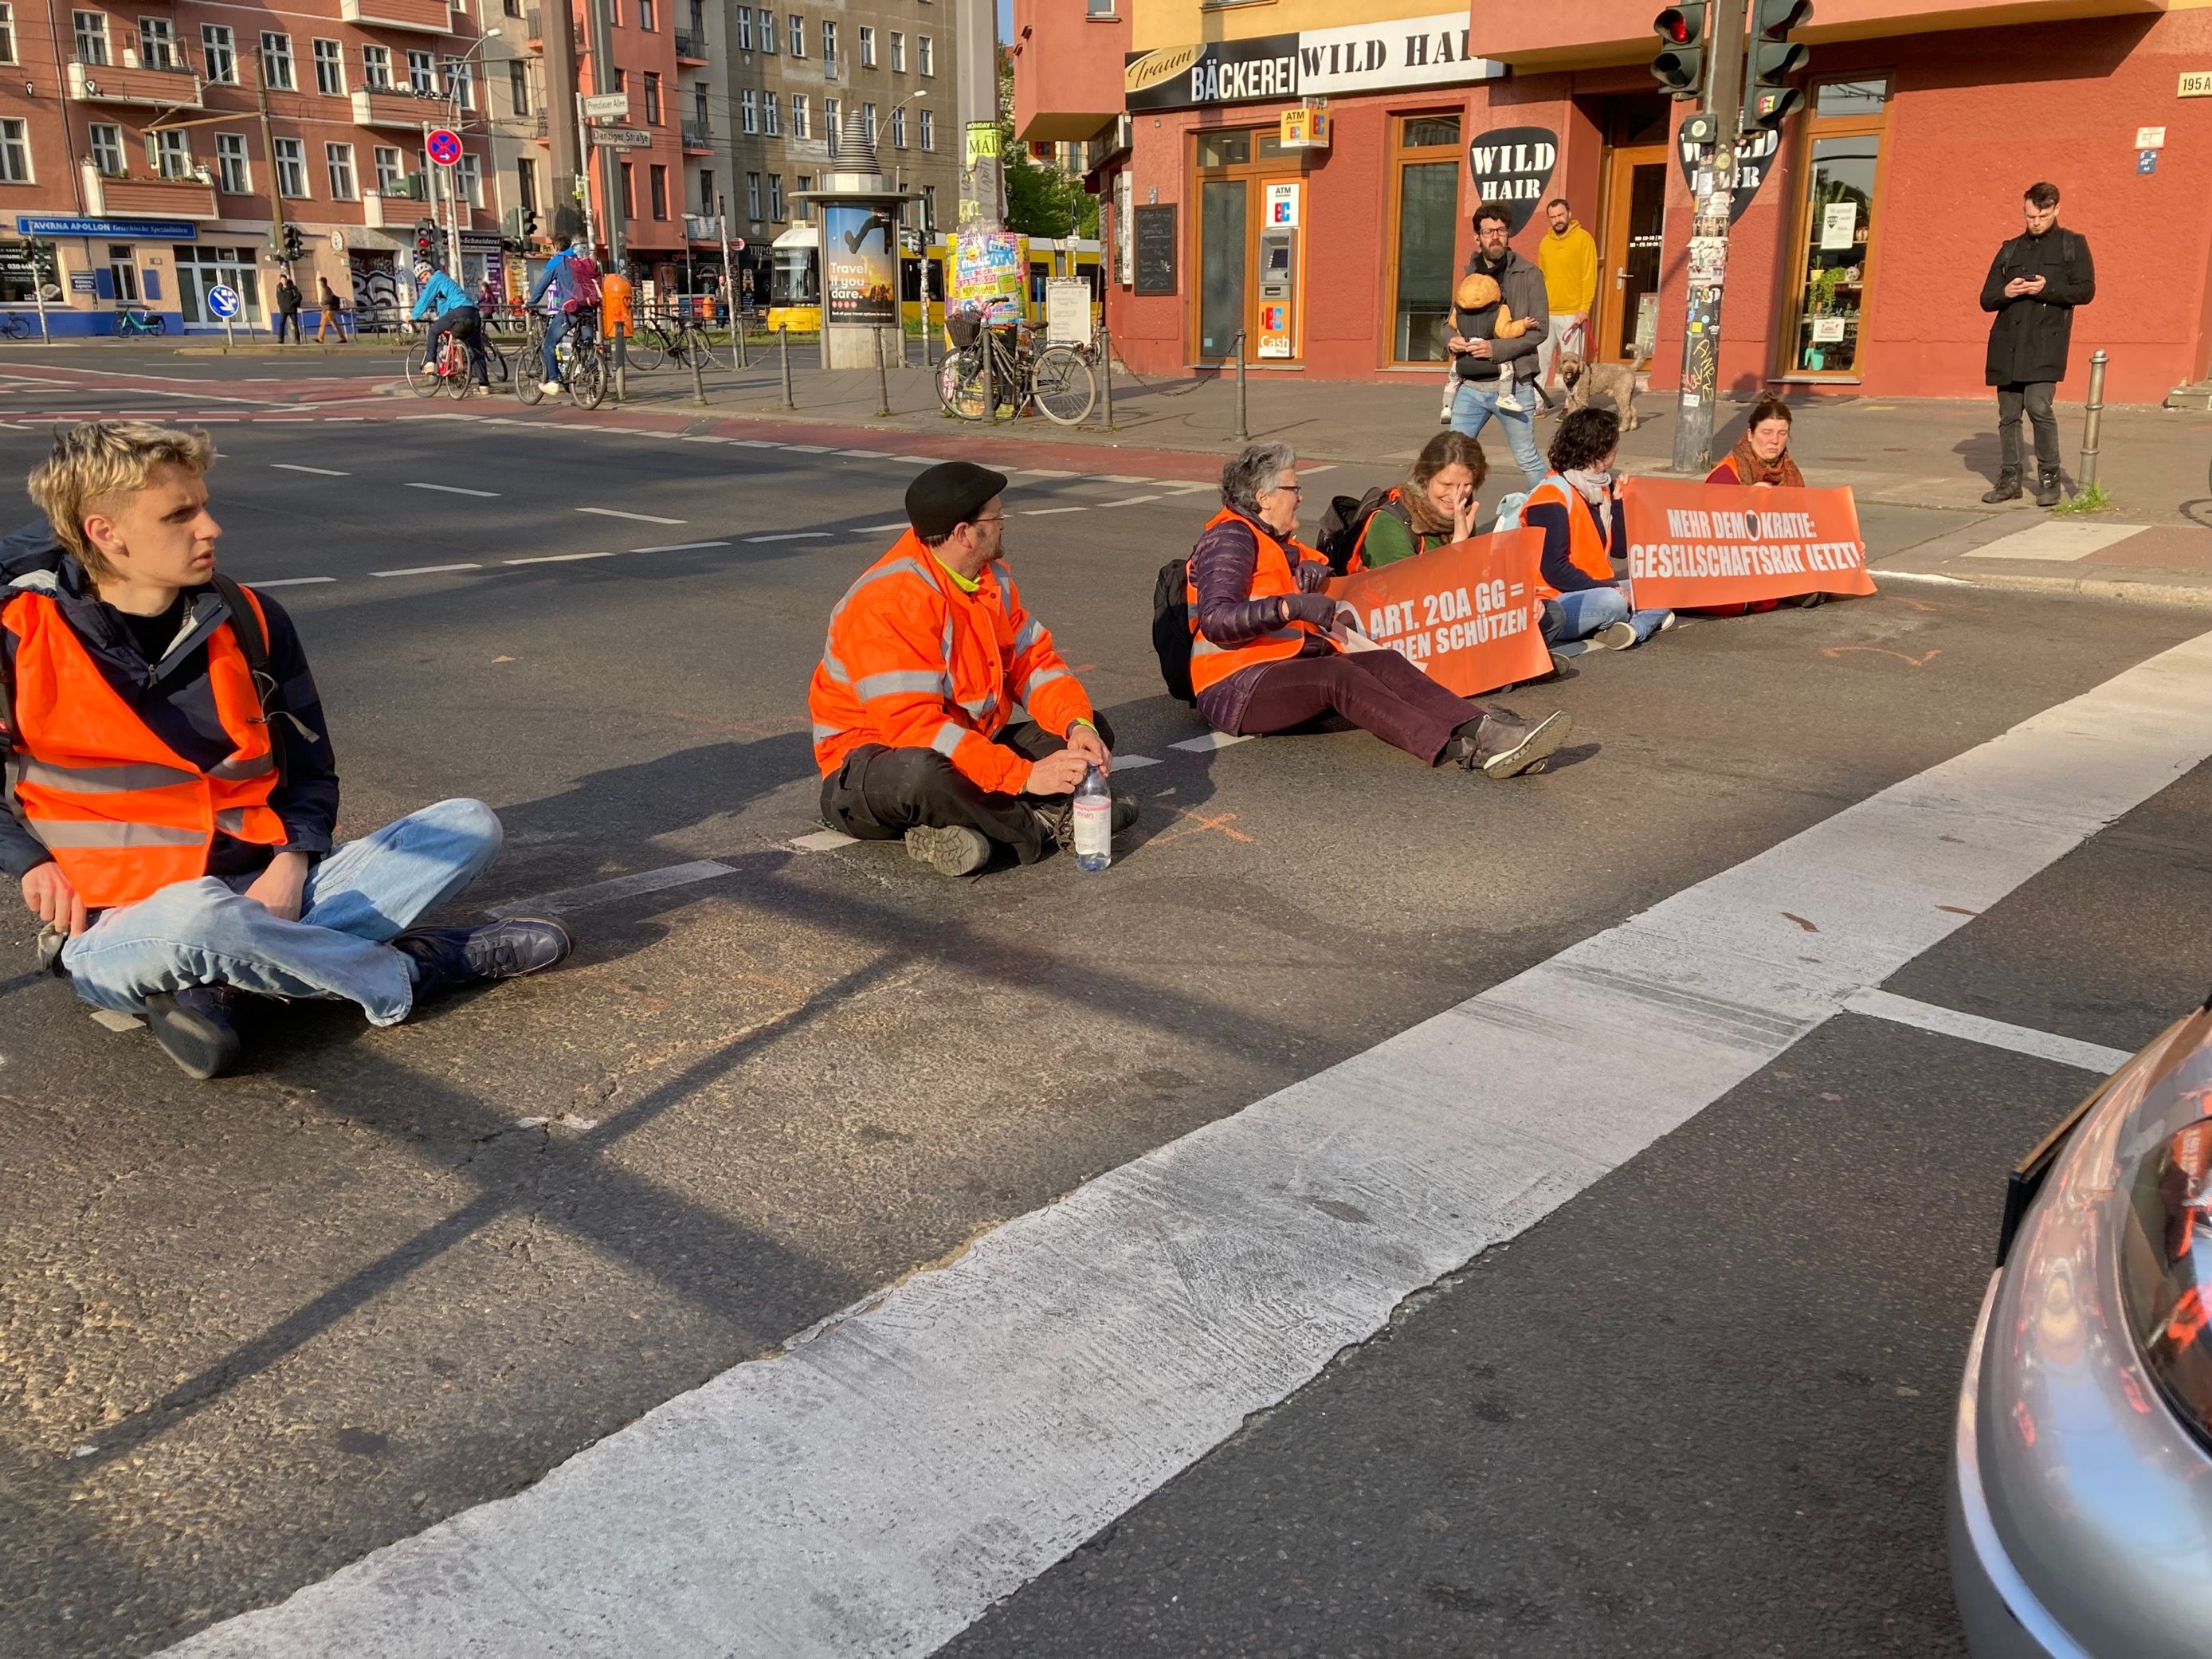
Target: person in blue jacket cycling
<point x="448" y="303"/>
<point x="572" y="278"/>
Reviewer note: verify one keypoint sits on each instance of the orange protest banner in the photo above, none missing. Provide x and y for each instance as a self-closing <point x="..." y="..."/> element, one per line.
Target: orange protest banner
<point x="1465" y="614"/>
<point x="1693" y="544"/>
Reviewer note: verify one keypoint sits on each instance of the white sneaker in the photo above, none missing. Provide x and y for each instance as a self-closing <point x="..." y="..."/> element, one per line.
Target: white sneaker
<point x="549" y="388"/>
<point x="1613" y="636"/>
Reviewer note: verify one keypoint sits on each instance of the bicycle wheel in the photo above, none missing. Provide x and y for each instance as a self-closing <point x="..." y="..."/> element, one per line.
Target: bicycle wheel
<point x="948" y="382"/>
<point x="647" y="347"/>
<point x="969" y="400"/>
<point x="530" y="366"/>
<point x="1065" y="387"/>
<point x="453" y="369"/>
<point x="588" y="377"/>
<point x="421" y="379"/>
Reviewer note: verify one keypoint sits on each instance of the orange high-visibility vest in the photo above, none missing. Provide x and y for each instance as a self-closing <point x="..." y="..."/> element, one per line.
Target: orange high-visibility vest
<point x="1588" y="547"/>
<point x="1271" y="578"/>
<point x="123" y="813"/>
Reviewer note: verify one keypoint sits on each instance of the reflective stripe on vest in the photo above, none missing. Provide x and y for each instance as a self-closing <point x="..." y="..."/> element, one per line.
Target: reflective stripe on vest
<point x="123" y="813"/>
<point x="1271" y="578"/>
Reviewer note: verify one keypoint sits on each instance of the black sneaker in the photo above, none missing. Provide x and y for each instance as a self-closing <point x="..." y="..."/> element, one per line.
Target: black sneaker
<point x="950" y="849"/>
<point x="447" y="958"/>
<point x="1504" y="744"/>
<point x="1057" y="823"/>
<point x="196" y="1027"/>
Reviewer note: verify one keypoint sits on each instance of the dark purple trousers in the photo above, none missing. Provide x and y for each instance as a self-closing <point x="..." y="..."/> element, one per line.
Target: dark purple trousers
<point x="1377" y="691"/>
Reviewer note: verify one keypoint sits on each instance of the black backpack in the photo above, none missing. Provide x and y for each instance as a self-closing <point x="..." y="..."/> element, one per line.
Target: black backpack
<point x="1340" y="527"/>
<point x="1171" y="627"/>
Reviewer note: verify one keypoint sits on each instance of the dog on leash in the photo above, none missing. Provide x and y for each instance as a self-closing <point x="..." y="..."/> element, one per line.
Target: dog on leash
<point x="1616" y="383"/>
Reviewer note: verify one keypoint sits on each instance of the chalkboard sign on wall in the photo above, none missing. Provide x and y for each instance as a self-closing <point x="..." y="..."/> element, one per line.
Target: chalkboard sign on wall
<point x="1156" y="250"/>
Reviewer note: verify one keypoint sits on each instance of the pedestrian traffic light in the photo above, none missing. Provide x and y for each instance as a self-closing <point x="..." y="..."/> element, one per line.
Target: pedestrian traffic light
<point x="529" y="224"/>
<point x="1680" y="65"/>
<point x="294" y="246"/>
<point x="1775" y="58"/>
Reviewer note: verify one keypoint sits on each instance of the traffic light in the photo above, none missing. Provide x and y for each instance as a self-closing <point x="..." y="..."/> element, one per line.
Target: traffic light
<point x="295" y="246"/>
<point x="1775" y="58"/>
<point x="1680" y="65"/>
<point x="422" y="253"/>
<point x="529" y="225"/>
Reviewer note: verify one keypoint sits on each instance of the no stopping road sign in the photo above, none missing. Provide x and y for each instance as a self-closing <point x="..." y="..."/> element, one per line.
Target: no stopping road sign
<point x="444" y="146"/>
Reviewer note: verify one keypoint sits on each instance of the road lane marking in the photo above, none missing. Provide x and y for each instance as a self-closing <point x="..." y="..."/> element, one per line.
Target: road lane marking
<point x="1130" y="763"/>
<point x="824" y="840"/>
<point x="878" y="529"/>
<point x="1046" y="511"/>
<point x="319" y="472"/>
<point x="2055" y="541"/>
<point x="678" y="547"/>
<point x="1992" y="1033"/>
<point x="452" y="490"/>
<point x="865" y="454"/>
<point x="996" y="1411"/>
<point x="1129" y="501"/>
<point x="426" y="570"/>
<point x="294" y="581"/>
<point x="791" y="536"/>
<point x="1210" y="742"/>
<point x="604" y="892"/>
<point x="558" y="558"/>
<point x="642" y="518"/>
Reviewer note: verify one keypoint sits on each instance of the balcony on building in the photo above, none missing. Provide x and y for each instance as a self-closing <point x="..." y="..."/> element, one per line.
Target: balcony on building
<point x="701" y="227"/>
<point x="1587" y="34"/>
<point x="147" y="196"/>
<point x="1085" y="47"/>
<point x="698" y="140"/>
<point x="691" y="48"/>
<point x="396" y="107"/>
<point x="153" y="87"/>
<point x="422" y="16"/>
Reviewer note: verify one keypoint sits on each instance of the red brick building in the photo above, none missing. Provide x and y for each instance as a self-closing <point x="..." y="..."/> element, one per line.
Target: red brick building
<point x="1855" y="264"/>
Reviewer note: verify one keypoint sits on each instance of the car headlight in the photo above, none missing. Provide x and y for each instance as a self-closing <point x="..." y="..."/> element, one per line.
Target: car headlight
<point x="2165" y="1271"/>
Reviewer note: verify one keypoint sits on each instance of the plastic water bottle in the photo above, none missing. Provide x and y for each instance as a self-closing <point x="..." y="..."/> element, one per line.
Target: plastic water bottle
<point x="1094" y="822"/>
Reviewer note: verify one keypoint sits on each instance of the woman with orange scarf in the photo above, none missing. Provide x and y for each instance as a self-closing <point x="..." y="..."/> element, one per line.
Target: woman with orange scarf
<point x="1761" y="460"/>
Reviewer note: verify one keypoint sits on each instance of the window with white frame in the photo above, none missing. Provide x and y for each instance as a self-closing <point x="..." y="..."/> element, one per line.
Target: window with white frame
<point x="376" y="68"/>
<point x="330" y="68"/>
<point x="105" y="141"/>
<point x="775" y="196"/>
<point x="898" y="127"/>
<point x="752" y="196"/>
<point x="798" y="36"/>
<point x="925" y="55"/>
<point x="391" y="170"/>
<point x="767" y="32"/>
<point x="748" y="110"/>
<point x="867" y="46"/>
<point x="868" y="121"/>
<point x="929" y="207"/>
<point x="829" y="123"/>
<point x="157" y="43"/>
<point x="15" y="152"/>
<point x="91" y="31"/>
<point x="219" y="52"/>
<point x="461" y="82"/>
<point x="746" y="26"/>
<point x="422" y="74"/>
<point x="898" y="52"/>
<point x="171" y="153"/>
<point x="800" y="186"/>
<point x="292" y="168"/>
<point x="471" y="174"/>
<point x="828" y="45"/>
<point x="771" y="116"/>
<point x="276" y="61"/>
<point x="518" y="84"/>
<point x="232" y="175"/>
<point x="928" y="133"/>
<point x="339" y="159"/>
<point x="801" y="113"/>
<point x="7" y="32"/>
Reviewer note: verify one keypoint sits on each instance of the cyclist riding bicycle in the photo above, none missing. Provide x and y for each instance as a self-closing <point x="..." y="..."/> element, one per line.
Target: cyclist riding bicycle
<point x="448" y="303"/>
<point x="569" y="289"/>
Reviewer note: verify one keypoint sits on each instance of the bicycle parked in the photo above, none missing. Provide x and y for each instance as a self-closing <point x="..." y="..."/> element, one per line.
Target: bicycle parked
<point x="136" y="321"/>
<point x="15" y="325"/>
<point x="1004" y="357"/>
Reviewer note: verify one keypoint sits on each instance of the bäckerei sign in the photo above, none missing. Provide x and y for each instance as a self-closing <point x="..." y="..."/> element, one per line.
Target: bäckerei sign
<point x="1413" y="51"/>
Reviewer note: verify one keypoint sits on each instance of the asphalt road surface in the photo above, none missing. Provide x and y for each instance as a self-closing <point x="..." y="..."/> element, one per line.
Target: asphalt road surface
<point x="1688" y="1392"/>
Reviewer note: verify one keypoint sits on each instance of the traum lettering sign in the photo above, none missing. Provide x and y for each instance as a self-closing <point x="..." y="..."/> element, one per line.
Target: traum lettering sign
<point x="1512" y="168"/>
<point x="1414" y="51"/>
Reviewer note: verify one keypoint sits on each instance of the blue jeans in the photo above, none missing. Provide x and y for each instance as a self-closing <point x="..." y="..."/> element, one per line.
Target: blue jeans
<point x="1579" y="614"/>
<point x="557" y="327"/>
<point x="1475" y="402"/>
<point x="206" y="932"/>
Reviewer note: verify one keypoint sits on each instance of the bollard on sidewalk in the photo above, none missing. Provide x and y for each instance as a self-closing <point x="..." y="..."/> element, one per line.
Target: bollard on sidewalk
<point x="1106" y="368"/>
<point x="990" y="389"/>
<point x="737" y="329"/>
<point x="698" y="356"/>
<point x="2086" y="474"/>
<point x="783" y="344"/>
<point x="1243" y="426"/>
<point x="621" y="362"/>
<point x="883" y="380"/>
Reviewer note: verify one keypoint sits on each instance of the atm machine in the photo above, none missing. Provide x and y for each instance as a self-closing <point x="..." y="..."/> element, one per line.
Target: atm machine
<point x="1278" y="278"/>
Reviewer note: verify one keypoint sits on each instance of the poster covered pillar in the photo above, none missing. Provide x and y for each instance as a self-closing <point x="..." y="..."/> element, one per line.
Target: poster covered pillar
<point x="859" y="214"/>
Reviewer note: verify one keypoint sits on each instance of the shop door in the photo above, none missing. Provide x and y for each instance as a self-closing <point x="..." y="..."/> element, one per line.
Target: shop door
<point x="1224" y="235"/>
<point x="1629" y="250"/>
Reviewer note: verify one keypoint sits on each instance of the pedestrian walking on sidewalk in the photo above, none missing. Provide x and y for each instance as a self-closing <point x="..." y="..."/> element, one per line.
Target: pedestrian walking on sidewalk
<point x="288" y="308"/>
<point x="2033" y="285"/>
<point x="331" y="321"/>
<point x="1568" y="259"/>
<point x="1497" y="375"/>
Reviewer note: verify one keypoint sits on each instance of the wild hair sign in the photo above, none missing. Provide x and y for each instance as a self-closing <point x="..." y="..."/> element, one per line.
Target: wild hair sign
<point x="1410" y="52"/>
<point x="1512" y="168"/>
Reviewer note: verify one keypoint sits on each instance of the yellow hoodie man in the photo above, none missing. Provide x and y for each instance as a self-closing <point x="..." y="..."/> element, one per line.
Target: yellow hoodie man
<point x="1568" y="259"/>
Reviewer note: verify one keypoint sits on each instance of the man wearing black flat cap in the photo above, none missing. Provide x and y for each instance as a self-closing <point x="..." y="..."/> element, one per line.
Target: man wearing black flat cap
<point x="912" y="700"/>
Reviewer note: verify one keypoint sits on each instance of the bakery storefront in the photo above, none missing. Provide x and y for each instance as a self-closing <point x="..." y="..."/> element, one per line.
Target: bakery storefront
<point x="1244" y="214"/>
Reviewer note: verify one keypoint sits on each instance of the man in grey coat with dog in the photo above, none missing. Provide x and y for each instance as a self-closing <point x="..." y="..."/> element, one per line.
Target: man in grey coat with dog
<point x="2033" y="285"/>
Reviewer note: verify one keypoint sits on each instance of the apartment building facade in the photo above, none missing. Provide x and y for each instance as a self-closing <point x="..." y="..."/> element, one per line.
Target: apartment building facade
<point x="147" y="152"/>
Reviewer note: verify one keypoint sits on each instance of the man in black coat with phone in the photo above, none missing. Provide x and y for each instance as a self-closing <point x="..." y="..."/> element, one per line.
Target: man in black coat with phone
<point x="2033" y="285"/>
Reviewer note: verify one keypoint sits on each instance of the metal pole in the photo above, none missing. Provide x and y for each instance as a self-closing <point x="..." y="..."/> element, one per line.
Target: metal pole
<point x="2087" y="474"/>
<point x="603" y="80"/>
<point x="1709" y="231"/>
<point x="1106" y="370"/>
<point x="783" y="344"/>
<point x="883" y="380"/>
<point x="698" y="373"/>
<point x="1243" y="426"/>
<point x="729" y="283"/>
<point x="621" y="362"/>
<point x="990" y="390"/>
<point x="38" y="293"/>
<point x="584" y="173"/>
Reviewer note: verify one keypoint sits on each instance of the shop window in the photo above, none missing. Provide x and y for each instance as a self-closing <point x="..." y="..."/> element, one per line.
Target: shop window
<point x="199" y="269"/>
<point x="1426" y="204"/>
<point x="18" y="273"/>
<point x="1224" y="149"/>
<point x="1837" y="215"/>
